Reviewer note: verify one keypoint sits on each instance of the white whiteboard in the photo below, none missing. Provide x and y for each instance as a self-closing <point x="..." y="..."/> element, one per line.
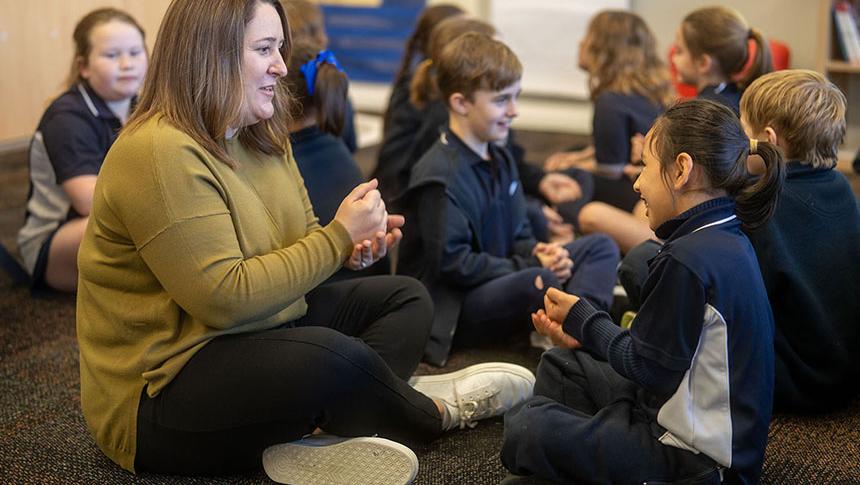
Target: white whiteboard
<point x="545" y="35"/>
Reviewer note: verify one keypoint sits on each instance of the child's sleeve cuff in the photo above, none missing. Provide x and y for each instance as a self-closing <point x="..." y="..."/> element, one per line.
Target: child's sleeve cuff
<point x="579" y="313"/>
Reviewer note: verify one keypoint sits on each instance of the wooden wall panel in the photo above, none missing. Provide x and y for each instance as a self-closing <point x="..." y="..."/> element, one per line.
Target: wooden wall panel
<point x="36" y="52"/>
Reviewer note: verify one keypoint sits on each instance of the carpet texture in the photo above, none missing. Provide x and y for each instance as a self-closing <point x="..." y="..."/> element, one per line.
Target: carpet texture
<point x="43" y="438"/>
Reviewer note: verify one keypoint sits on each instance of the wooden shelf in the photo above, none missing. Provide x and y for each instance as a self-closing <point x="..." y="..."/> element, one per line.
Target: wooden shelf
<point x="842" y="67"/>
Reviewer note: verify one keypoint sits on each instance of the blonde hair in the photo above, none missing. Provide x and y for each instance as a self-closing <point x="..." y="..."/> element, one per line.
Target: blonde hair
<point x="620" y="53"/>
<point x="805" y="109"/>
<point x="423" y="88"/>
<point x="195" y="78"/>
<point x="81" y="36"/>
<point x="476" y="61"/>
<point x="723" y="34"/>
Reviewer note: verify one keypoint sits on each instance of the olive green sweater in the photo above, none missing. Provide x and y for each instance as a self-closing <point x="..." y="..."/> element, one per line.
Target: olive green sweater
<point x="180" y="248"/>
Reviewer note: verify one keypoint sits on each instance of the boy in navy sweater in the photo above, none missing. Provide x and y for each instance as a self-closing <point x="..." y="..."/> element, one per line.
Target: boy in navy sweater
<point x="470" y="241"/>
<point x="810" y="251"/>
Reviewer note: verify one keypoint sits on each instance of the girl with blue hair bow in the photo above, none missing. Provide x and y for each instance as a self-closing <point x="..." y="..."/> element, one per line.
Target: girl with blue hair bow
<point x="319" y="89"/>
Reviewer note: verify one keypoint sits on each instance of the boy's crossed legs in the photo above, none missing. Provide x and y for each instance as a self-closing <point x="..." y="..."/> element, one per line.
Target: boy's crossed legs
<point x="501" y="307"/>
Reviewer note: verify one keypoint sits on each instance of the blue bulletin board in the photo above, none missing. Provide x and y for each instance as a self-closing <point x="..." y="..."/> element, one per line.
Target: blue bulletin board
<point x="369" y="41"/>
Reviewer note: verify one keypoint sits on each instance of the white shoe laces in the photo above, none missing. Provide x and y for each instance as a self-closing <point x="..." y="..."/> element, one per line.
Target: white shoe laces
<point x="476" y="405"/>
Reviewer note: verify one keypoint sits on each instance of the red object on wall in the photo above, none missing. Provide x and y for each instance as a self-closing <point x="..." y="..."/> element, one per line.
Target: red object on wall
<point x="780" y="55"/>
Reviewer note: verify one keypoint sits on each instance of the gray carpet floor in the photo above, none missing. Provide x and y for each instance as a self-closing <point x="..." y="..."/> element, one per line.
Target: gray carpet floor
<point x="43" y="438"/>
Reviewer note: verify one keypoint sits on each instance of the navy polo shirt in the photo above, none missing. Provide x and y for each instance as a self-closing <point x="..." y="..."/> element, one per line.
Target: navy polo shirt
<point x="486" y="232"/>
<point x="72" y="139"/>
<point x="78" y="129"/>
<point x="726" y="94"/>
<point x="617" y="117"/>
<point x="497" y="186"/>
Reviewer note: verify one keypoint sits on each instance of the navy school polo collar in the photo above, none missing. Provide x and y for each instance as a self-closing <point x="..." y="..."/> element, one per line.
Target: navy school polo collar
<point x="724" y="87"/>
<point x="94" y="103"/>
<point x="708" y="213"/>
<point x="447" y="137"/>
<point x="795" y="168"/>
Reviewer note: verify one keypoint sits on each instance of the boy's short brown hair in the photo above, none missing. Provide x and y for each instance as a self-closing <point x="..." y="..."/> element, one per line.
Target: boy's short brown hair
<point x="476" y="61"/>
<point x="805" y="109"/>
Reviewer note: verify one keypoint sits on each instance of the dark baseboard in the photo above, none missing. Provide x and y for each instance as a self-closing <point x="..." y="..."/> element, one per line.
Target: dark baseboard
<point x="13" y="156"/>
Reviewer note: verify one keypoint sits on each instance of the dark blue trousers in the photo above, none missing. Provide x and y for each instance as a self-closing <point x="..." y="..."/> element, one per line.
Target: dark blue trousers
<point x="633" y="270"/>
<point x="500" y="308"/>
<point x="586" y="425"/>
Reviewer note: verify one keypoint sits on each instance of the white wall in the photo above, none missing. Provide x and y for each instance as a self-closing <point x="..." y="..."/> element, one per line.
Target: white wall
<point x="794" y="22"/>
<point x="541" y="114"/>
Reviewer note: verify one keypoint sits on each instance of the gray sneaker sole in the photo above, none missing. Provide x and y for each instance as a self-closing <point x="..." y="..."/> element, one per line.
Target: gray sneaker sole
<point x="375" y="461"/>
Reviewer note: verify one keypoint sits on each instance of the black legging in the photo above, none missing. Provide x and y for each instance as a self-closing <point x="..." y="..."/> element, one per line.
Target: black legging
<point x="340" y="368"/>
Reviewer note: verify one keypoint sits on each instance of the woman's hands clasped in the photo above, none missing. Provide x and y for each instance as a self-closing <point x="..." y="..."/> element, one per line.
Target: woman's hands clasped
<point x="372" y="229"/>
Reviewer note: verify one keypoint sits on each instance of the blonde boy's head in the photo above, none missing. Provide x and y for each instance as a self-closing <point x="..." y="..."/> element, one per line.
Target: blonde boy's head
<point x="476" y="61"/>
<point x="806" y="111"/>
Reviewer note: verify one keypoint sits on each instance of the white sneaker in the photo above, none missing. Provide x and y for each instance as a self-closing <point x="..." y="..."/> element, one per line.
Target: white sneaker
<point x="330" y="460"/>
<point x="477" y="392"/>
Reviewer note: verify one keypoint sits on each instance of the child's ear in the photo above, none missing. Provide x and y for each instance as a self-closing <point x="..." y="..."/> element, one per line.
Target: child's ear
<point x="82" y="67"/>
<point x="772" y="137"/>
<point x="704" y="64"/>
<point x="459" y="104"/>
<point x="682" y="171"/>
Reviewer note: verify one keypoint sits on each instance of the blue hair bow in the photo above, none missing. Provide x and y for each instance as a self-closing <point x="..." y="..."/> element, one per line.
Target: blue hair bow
<point x="309" y="69"/>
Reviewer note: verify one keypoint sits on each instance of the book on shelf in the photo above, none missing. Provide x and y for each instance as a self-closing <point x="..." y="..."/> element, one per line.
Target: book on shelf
<point x="847" y="32"/>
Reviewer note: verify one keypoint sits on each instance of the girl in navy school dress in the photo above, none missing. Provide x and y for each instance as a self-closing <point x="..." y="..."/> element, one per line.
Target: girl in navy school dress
<point x="629" y="85"/>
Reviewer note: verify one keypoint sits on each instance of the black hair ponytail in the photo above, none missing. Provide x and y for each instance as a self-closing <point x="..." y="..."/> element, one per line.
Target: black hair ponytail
<point x="756" y="201"/>
<point x="714" y="138"/>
